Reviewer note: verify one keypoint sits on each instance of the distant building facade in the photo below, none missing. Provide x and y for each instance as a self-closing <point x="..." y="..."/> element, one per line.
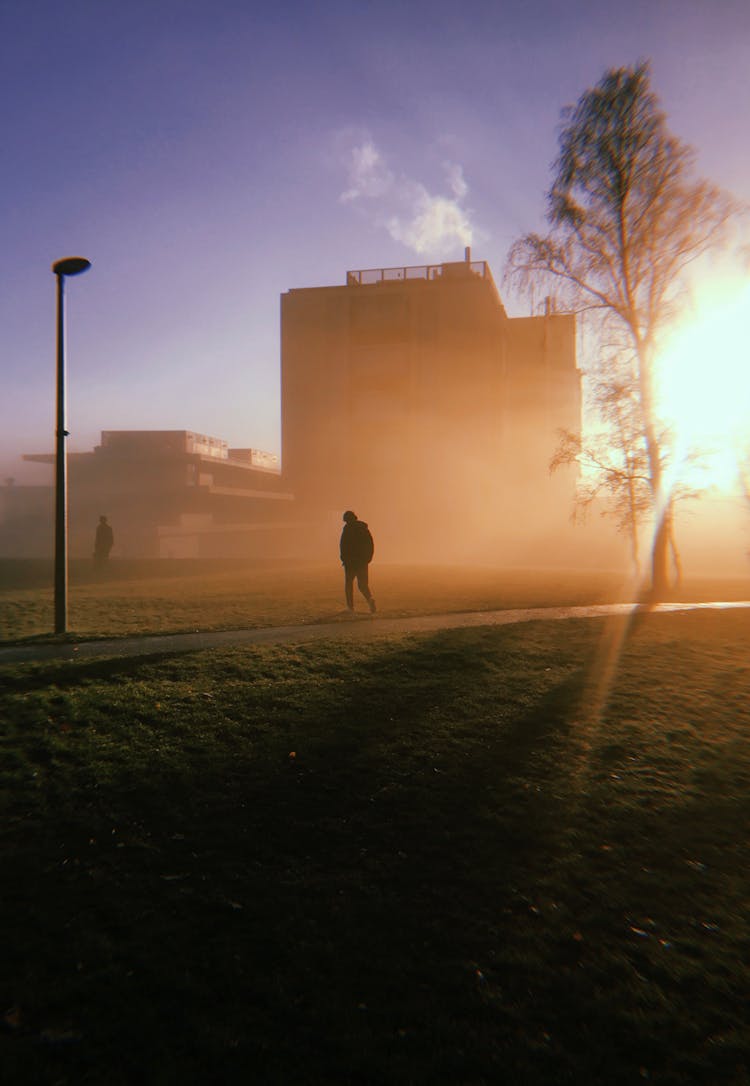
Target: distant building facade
<point x="408" y="394"/>
<point x="26" y="520"/>
<point x="174" y="493"/>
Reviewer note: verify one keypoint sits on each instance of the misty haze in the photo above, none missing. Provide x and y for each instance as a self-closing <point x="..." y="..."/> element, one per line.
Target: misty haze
<point x="375" y="544"/>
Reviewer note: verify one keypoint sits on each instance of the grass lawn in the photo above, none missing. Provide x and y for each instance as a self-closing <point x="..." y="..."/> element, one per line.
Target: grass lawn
<point x="455" y="858"/>
<point x="166" y="596"/>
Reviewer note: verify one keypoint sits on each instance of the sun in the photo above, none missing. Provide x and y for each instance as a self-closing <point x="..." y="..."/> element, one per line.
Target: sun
<point x="703" y="389"/>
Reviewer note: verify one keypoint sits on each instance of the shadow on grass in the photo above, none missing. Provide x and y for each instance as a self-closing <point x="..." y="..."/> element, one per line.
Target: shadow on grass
<point x="328" y="909"/>
<point x="359" y="885"/>
<point x="71" y="674"/>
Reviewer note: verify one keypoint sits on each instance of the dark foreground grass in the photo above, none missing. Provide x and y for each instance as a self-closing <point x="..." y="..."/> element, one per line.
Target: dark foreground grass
<point x="424" y="860"/>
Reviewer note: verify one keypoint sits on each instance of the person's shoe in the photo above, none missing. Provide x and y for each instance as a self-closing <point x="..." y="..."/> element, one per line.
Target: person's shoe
<point x="350" y="610"/>
<point x="371" y="605"/>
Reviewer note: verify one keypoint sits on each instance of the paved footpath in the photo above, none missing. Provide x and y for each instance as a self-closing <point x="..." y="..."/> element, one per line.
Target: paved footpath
<point x="349" y="629"/>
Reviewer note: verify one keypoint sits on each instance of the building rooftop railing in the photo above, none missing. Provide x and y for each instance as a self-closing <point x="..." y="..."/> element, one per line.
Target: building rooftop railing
<point x="426" y="272"/>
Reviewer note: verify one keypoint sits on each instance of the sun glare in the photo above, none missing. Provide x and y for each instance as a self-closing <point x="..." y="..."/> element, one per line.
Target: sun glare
<point x="703" y="382"/>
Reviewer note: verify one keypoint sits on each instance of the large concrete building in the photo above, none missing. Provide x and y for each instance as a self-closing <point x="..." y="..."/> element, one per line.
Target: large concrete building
<point x="409" y="395"/>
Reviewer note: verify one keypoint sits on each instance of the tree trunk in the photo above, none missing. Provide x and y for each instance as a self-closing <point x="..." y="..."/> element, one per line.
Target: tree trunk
<point x="661" y="502"/>
<point x="660" y="556"/>
<point x="633" y="528"/>
<point x="676" y="561"/>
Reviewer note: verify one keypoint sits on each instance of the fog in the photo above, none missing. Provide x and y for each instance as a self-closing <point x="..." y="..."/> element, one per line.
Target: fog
<point x="446" y="508"/>
<point x="408" y="396"/>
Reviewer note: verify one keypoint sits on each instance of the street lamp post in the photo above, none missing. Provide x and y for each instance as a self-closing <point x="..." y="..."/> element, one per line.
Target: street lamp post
<point x="72" y="265"/>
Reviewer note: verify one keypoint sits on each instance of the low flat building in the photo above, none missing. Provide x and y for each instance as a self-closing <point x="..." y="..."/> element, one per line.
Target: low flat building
<point x="175" y="493"/>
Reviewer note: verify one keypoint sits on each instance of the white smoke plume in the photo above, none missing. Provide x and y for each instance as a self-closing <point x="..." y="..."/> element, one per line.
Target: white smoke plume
<point x="456" y="179"/>
<point x="429" y="223"/>
<point x="368" y="174"/>
<point x="435" y="224"/>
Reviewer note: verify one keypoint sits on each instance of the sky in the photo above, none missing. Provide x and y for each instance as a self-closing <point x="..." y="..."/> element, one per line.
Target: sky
<point x="208" y="155"/>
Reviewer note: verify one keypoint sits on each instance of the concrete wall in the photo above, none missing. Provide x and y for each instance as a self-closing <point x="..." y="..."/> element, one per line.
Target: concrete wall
<point x="420" y="405"/>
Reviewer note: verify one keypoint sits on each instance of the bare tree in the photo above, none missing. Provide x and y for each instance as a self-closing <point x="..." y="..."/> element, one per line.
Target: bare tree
<point x="627" y="216"/>
<point x="612" y="461"/>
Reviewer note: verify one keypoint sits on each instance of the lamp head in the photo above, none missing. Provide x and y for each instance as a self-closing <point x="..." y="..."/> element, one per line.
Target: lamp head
<point x="71" y="265"/>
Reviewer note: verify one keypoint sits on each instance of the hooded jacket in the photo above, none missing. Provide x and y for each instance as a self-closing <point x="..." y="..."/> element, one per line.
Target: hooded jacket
<point x="357" y="547"/>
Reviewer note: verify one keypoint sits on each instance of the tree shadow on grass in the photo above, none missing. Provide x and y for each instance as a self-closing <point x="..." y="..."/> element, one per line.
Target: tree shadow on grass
<point x="70" y="674"/>
<point x="331" y="916"/>
<point x="409" y="827"/>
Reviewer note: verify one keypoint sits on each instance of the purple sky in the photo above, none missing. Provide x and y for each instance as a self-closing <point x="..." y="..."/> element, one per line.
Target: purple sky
<point x="206" y="157"/>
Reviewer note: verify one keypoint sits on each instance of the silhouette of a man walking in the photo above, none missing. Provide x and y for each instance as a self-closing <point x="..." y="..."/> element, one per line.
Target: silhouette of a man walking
<point x="357" y="549"/>
<point x="103" y="542"/>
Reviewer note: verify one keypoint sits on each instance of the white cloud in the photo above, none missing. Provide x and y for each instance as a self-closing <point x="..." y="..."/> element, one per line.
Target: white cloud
<point x="368" y="174"/>
<point x="456" y="179"/>
<point x="436" y="223"/>
<point x="429" y="223"/>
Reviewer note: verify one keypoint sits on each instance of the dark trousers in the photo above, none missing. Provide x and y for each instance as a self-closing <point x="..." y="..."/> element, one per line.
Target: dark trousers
<point x="360" y="573"/>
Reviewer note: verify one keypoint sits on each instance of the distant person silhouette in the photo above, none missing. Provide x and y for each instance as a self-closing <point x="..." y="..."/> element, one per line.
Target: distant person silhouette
<point x="104" y="541"/>
<point x="357" y="549"/>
